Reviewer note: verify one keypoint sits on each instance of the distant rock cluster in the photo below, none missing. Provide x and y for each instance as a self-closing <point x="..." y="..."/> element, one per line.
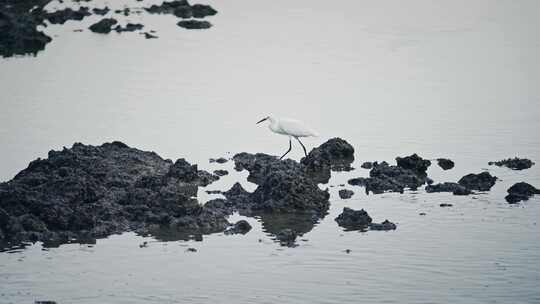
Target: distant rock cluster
<point x="19" y="22"/>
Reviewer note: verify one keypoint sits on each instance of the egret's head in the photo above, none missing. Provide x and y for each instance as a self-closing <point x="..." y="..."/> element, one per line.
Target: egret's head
<point x="264" y="119"/>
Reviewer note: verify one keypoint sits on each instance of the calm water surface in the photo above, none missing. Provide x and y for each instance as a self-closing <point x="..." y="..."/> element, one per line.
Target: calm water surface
<point x="455" y="79"/>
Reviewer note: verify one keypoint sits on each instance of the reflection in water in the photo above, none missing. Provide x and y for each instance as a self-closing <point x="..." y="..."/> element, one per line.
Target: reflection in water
<point x="285" y="227"/>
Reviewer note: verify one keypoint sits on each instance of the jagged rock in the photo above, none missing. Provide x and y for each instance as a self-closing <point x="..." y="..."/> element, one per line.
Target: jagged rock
<point x="514" y="163"/>
<point x="335" y="154"/>
<point x="445" y="164"/>
<point x="353" y="219"/>
<point x="104" y="26"/>
<point x="86" y="192"/>
<point x="482" y="181"/>
<point x="414" y="163"/>
<point x="455" y="188"/>
<point x="202" y="10"/>
<point x="367" y="165"/>
<point x="149" y="36"/>
<point x="520" y="192"/>
<point x="345" y="193"/>
<point x="18" y="29"/>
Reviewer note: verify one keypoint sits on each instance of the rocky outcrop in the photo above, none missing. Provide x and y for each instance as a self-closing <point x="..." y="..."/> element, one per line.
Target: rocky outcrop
<point x="88" y="192"/>
<point x="104" y="26"/>
<point x="345" y="193"/>
<point x="481" y="181"/>
<point x="360" y="220"/>
<point x="445" y="163"/>
<point x="520" y="192"/>
<point x="182" y="9"/>
<point x="514" y="163"/>
<point x="335" y="154"/>
<point x="194" y="24"/>
<point x="61" y="16"/>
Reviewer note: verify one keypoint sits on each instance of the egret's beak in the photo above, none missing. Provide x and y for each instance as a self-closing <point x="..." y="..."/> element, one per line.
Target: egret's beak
<point x="258" y="122"/>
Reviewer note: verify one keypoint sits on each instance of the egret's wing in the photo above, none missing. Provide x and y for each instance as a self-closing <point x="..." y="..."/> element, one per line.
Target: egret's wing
<point x="295" y="128"/>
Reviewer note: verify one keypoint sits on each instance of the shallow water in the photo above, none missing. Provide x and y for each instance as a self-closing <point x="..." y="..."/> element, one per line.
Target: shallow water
<point x="442" y="79"/>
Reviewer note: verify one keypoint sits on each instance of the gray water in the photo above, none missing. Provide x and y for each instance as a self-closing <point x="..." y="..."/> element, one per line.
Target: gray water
<point x="455" y="79"/>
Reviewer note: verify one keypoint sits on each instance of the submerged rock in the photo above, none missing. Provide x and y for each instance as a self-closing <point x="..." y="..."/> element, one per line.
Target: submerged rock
<point x="104" y="26"/>
<point x="287" y="237"/>
<point x="386" y="178"/>
<point x="482" y="181"/>
<point x="445" y="164"/>
<point x="520" y="192"/>
<point x="514" y="163"/>
<point x="221" y="172"/>
<point x="345" y="193"/>
<point x="455" y="188"/>
<point x="130" y="27"/>
<point x="93" y="191"/>
<point x="353" y="219"/>
<point x="194" y="24"/>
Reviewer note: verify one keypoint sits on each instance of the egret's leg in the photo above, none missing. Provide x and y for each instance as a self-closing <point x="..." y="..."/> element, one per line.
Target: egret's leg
<point x="302" y="145"/>
<point x="290" y="147"/>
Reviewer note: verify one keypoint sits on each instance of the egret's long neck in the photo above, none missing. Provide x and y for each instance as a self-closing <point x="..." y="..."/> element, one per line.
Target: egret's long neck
<point x="273" y="124"/>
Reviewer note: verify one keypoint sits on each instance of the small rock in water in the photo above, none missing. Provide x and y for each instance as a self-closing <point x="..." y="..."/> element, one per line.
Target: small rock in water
<point x="220" y="160"/>
<point x="345" y="193"/>
<point x="130" y="27"/>
<point x="520" y="192"/>
<point x="191" y="249"/>
<point x="104" y="26"/>
<point x="386" y="225"/>
<point x="481" y="181"/>
<point x="101" y="11"/>
<point x="143" y="245"/>
<point x="455" y="188"/>
<point x="514" y="163"/>
<point x="221" y="172"/>
<point x="194" y="24"/>
<point x="445" y="164"/>
<point x="367" y="165"/>
<point x="422" y="213"/>
<point x="44" y="302"/>
<point x="414" y="163"/>
<point x="353" y="219"/>
<point x="149" y="36"/>
<point x="446" y="205"/>
<point x="347" y="250"/>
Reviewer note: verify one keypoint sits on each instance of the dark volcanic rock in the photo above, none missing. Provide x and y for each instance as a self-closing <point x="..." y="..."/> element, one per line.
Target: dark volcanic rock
<point x="385" y="226"/>
<point x="335" y="154"/>
<point x="221" y="172"/>
<point x="18" y="28"/>
<point x="149" y="36"/>
<point x="455" y="188"/>
<point x="367" y="165"/>
<point x="202" y="10"/>
<point x="514" y="163"/>
<point x="220" y="160"/>
<point x="414" y="163"/>
<point x="384" y="177"/>
<point x="445" y="164"/>
<point x="86" y="192"/>
<point x="520" y="192"/>
<point x="104" y="26"/>
<point x="353" y="219"/>
<point x="61" y="16"/>
<point x="345" y="193"/>
<point x="130" y="27"/>
<point x="482" y="181"/>
<point x="194" y="24"/>
<point x="101" y="11"/>
<point x="167" y="7"/>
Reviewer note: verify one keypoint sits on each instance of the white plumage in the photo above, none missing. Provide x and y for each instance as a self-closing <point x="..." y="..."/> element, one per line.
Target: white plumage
<point x="291" y="128"/>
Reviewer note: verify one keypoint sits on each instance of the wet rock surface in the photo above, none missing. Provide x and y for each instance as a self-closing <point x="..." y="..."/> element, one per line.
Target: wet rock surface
<point x="335" y="154"/>
<point x="520" y="192"/>
<point x="182" y="9"/>
<point x="93" y="191"/>
<point x="194" y="24"/>
<point x="61" y="16"/>
<point x="514" y="163"/>
<point x="104" y="26"/>
<point x="130" y="27"/>
<point x="384" y="226"/>
<point x="410" y="172"/>
<point x="353" y="219"/>
<point x="445" y="164"/>
<point x="367" y="165"/>
<point x="481" y="181"/>
<point x="345" y="193"/>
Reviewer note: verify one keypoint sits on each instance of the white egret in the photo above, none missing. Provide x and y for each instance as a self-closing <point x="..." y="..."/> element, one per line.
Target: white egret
<point x="291" y="128"/>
